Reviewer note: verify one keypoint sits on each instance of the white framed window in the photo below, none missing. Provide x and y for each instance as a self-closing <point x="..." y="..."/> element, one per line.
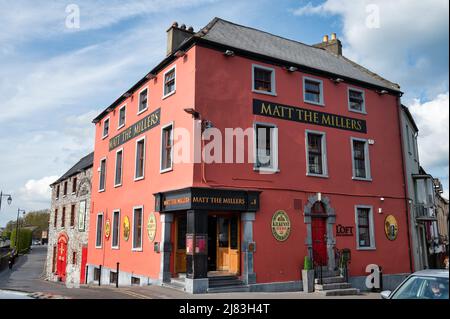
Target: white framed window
<point x="143" y="101"/>
<point x="138" y="216"/>
<point x="169" y="85"/>
<point x="105" y="128"/>
<point x="263" y="80"/>
<point x="119" y="168"/>
<point x="122" y="116"/>
<point x="166" y="148"/>
<point x="360" y="159"/>
<point x="139" y="168"/>
<point x="115" y="234"/>
<point x="365" y="233"/>
<point x="102" y="173"/>
<point x="99" y="231"/>
<point x="316" y="153"/>
<point x="265" y="147"/>
<point x="313" y="91"/>
<point x="356" y="100"/>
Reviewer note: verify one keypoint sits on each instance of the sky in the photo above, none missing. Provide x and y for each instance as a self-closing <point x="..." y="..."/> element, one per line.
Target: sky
<point x="58" y="72"/>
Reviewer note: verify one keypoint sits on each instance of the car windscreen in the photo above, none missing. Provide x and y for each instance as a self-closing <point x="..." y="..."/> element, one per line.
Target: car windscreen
<point x="421" y="287"/>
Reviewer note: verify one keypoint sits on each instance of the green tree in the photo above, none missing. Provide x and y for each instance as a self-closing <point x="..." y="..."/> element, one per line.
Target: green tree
<point x="24" y="239"/>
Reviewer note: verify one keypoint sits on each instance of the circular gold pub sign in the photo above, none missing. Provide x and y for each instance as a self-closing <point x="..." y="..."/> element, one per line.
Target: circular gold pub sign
<point x="391" y="227"/>
<point x="107" y="228"/>
<point x="126" y="228"/>
<point x="151" y="227"/>
<point x="281" y="225"/>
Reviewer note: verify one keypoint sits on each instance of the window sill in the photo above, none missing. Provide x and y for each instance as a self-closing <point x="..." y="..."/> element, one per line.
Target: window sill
<point x="169" y="94"/>
<point x="101" y="190"/>
<point x="264" y="92"/>
<point x="115" y="247"/>
<point x="98" y="247"/>
<point x="104" y="136"/>
<point x="120" y="126"/>
<point x="162" y="171"/>
<point x="117" y="185"/>
<point x="136" y="249"/>
<point x="136" y="179"/>
<point x="359" y="112"/>
<point x="366" y="248"/>
<point x="314" y="103"/>
<point x="266" y="170"/>
<point x="361" y="179"/>
<point x="317" y="175"/>
<point x="142" y="111"/>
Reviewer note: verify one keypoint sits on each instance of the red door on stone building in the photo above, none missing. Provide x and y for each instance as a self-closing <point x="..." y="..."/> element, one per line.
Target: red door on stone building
<point x="62" y="257"/>
<point x="319" y="234"/>
<point x="83" y="265"/>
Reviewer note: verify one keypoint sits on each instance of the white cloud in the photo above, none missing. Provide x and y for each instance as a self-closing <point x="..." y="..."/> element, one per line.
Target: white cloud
<point x="37" y="190"/>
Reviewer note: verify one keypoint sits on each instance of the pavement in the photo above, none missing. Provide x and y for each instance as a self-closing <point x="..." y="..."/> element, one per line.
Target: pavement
<point x="27" y="276"/>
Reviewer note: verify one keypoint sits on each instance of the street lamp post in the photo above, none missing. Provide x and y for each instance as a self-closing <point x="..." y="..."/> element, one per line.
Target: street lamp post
<point x="17" y="230"/>
<point x="9" y="200"/>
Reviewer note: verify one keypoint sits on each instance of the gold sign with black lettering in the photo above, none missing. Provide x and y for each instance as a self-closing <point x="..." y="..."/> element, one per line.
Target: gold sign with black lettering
<point x="136" y="129"/>
<point x="296" y="114"/>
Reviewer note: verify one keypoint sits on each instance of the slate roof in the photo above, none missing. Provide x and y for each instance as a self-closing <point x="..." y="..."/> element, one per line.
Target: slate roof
<point x="83" y="164"/>
<point x="260" y="42"/>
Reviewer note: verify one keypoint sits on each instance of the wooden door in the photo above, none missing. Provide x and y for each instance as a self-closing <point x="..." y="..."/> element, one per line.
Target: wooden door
<point x="228" y="244"/>
<point x="83" y="264"/>
<point x="180" y="244"/>
<point x="319" y="241"/>
<point x="62" y="257"/>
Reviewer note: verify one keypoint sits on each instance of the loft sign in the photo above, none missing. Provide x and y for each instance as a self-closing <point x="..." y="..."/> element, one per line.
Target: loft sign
<point x="344" y="230"/>
<point x="136" y="129"/>
<point x="296" y="114"/>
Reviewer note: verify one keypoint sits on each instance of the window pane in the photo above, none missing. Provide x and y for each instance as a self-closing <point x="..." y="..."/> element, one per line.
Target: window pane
<point x="263" y="80"/>
<point x="223" y="231"/>
<point x="167" y="148"/>
<point x="169" y="82"/>
<point x="118" y="177"/>
<point x="140" y="159"/>
<point x="315" y="154"/>
<point x="105" y="127"/>
<point x="363" y="227"/>
<point x="356" y="100"/>
<point x="102" y="174"/>
<point x="115" y="232"/>
<point x="122" y="116"/>
<point x="99" y="230"/>
<point x="312" y="91"/>
<point x="359" y="159"/>
<point x="264" y="150"/>
<point x="137" y="228"/>
<point x="143" y="100"/>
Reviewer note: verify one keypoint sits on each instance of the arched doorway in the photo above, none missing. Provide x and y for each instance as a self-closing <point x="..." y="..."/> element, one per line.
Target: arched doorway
<point x="319" y="234"/>
<point x="62" y="257"/>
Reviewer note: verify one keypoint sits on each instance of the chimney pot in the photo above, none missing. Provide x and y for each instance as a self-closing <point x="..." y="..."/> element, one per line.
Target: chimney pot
<point x="333" y="36"/>
<point x="325" y="38"/>
<point x="191" y="29"/>
<point x="175" y="24"/>
<point x="183" y="27"/>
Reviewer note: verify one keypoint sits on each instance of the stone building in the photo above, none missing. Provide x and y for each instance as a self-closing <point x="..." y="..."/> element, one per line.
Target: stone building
<point x="441" y="204"/>
<point x="69" y="224"/>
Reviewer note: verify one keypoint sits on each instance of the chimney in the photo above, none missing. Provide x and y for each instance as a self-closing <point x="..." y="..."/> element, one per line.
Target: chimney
<point x="176" y="35"/>
<point x="333" y="45"/>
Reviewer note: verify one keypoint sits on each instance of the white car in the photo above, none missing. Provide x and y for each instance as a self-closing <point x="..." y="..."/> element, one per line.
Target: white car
<point x="424" y="284"/>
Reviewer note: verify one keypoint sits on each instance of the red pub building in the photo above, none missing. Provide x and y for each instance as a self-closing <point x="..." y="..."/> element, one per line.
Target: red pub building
<point x="326" y="177"/>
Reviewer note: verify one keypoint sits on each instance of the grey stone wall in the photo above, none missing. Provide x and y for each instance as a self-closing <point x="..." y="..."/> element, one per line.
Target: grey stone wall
<point x="77" y="238"/>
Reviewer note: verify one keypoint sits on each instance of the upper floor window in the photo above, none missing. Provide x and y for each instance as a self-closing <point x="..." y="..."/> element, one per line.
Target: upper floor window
<point x="263" y="80"/>
<point x="365" y="238"/>
<point x="122" y="116"/>
<point x="137" y="228"/>
<point x="65" y="188"/>
<point x="143" y="101"/>
<point x="72" y="215"/>
<point x="169" y="82"/>
<point x="55" y="221"/>
<point x="313" y="91"/>
<point x="74" y="185"/>
<point x="102" y="179"/>
<point x="316" y="154"/>
<point x="356" y="101"/>
<point x="360" y="156"/>
<point x="166" y="148"/>
<point x="57" y="191"/>
<point x="119" y="165"/>
<point x="63" y="217"/>
<point x="266" y="147"/>
<point x="99" y="231"/>
<point x="140" y="159"/>
<point x="105" y="128"/>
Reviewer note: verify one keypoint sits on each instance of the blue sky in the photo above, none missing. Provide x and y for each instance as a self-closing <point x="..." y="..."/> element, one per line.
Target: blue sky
<point x="54" y="80"/>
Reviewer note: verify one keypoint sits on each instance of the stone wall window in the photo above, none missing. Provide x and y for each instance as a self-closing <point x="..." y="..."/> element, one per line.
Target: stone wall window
<point x="74" y="258"/>
<point x="72" y="215"/>
<point x="63" y="217"/>
<point x="74" y="185"/>
<point x="57" y="191"/>
<point x="65" y="188"/>
<point x="55" y="221"/>
<point x="137" y="228"/>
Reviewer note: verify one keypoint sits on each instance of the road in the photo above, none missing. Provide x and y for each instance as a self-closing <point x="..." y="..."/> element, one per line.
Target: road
<point x="27" y="276"/>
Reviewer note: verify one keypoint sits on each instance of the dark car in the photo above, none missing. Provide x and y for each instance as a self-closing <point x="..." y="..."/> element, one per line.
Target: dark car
<point x="424" y="284"/>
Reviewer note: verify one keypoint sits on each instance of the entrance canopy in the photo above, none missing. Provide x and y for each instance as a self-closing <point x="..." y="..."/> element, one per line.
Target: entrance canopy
<point x="207" y="199"/>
